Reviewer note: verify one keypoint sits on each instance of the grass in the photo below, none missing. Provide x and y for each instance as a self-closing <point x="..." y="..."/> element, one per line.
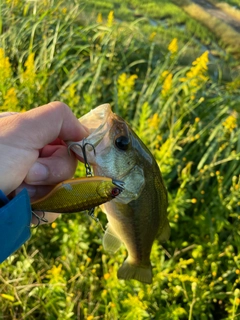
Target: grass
<point x="188" y="118"/>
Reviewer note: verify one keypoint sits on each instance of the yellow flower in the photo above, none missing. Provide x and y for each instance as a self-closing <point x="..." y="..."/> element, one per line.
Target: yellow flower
<point x="5" y="68"/>
<point x="71" y="96"/>
<point x="110" y="19"/>
<point x="167" y="84"/>
<point x="99" y="18"/>
<point x="173" y="46"/>
<point x="90" y="317"/>
<point x="104" y="292"/>
<point x="230" y="123"/>
<point x="10" y="100"/>
<point x="64" y="10"/>
<point x="194" y="200"/>
<point x="152" y="35"/>
<point x="7" y="297"/>
<point x="154" y="121"/>
<point x="197" y="74"/>
<point x="29" y="75"/>
<point x="106" y="276"/>
<point x="53" y="225"/>
<point x="13" y="3"/>
<point x="125" y="85"/>
<point x="164" y="74"/>
<point x="55" y="274"/>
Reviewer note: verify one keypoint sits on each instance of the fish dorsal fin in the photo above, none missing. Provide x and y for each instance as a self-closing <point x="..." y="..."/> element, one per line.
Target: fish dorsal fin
<point x="164" y="232"/>
<point x="111" y="242"/>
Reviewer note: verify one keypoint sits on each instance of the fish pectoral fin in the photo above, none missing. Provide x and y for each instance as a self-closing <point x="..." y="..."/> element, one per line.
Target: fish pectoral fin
<point x="130" y="271"/>
<point x="164" y="232"/>
<point x="111" y="242"/>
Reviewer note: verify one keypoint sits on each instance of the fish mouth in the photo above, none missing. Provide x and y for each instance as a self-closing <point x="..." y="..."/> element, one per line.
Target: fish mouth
<point x="119" y="184"/>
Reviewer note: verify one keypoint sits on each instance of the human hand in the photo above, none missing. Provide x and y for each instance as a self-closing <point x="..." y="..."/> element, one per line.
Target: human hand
<point x="33" y="153"/>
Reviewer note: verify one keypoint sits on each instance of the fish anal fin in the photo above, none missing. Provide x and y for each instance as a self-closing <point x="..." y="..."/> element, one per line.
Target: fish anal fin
<point x="131" y="271"/>
<point x="111" y="242"/>
<point x="164" y="232"/>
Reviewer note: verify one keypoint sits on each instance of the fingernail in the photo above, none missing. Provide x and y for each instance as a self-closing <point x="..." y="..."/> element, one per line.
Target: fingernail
<point x="30" y="189"/>
<point x="37" y="173"/>
<point x="85" y="131"/>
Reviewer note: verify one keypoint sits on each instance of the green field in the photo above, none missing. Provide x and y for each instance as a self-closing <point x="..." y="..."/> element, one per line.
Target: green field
<point x="150" y="62"/>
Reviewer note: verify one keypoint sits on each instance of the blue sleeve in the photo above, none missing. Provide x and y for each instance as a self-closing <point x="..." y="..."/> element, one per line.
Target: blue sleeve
<point x="15" y="219"/>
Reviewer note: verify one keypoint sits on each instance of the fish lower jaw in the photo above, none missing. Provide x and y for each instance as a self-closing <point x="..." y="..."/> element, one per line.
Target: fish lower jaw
<point x="129" y="270"/>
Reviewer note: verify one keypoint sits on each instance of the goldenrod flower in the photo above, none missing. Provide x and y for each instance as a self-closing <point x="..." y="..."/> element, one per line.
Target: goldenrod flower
<point x="164" y="74"/>
<point x="53" y="225"/>
<point x="106" y="276"/>
<point x="154" y="121"/>
<point x="13" y="3"/>
<point x="5" y="69"/>
<point x="197" y="74"/>
<point x="125" y="86"/>
<point x="167" y="84"/>
<point x="230" y="123"/>
<point x="29" y="75"/>
<point x="64" y="10"/>
<point x="110" y="19"/>
<point x="173" y="46"/>
<point x="10" y="100"/>
<point x="71" y="96"/>
<point x="99" y="18"/>
<point x="55" y="274"/>
<point x="7" y="297"/>
<point x="152" y="35"/>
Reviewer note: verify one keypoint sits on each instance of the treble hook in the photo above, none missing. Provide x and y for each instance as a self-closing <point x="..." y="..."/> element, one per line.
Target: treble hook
<point x="39" y="219"/>
<point x="87" y="167"/>
<point x="83" y="147"/>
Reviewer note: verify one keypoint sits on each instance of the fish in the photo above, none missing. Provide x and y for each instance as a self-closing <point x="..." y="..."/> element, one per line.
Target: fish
<point x="75" y="195"/>
<point x="138" y="215"/>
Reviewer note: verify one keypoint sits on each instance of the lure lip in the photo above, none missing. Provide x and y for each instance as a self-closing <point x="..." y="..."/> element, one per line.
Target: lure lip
<point x="119" y="184"/>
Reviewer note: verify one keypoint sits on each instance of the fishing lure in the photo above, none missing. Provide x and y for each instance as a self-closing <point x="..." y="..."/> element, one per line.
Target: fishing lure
<point x="80" y="194"/>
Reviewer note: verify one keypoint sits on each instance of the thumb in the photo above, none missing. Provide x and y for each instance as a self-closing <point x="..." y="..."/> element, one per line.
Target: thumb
<point x="54" y="169"/>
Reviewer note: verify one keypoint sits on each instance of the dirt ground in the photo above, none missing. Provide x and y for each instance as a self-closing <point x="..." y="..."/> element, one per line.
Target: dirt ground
<point x="219" y="13"/>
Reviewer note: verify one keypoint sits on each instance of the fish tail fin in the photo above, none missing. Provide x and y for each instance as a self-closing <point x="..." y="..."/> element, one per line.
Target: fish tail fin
<point x="131" y="271"/>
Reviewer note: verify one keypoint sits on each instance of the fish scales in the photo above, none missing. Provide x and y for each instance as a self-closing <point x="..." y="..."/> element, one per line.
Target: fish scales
<point x="139" y="214"/>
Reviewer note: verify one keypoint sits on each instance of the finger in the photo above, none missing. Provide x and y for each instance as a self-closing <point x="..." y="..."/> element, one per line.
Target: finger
<point x="6" y="114"/>
<point x="54" y="120"/>
<point x="35" y="192"/>
<point x="49" y="216"/>
<point x="54" y="169"/>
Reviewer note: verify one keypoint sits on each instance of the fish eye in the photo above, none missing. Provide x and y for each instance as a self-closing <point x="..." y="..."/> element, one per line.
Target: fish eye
<point x="122" y="143"/>
<point x="115" y="192"/>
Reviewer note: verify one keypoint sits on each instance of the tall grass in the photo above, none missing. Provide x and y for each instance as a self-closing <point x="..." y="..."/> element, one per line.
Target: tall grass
<point x="190" y="122"/>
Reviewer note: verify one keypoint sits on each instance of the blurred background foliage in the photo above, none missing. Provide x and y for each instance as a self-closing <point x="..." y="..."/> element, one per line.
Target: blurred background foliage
<point x="180" y="91"/>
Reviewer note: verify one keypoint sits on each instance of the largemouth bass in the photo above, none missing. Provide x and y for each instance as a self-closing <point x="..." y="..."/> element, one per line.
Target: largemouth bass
<point x="139" y="214"/>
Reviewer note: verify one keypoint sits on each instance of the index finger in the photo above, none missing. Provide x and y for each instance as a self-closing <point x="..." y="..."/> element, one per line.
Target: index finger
<point x="40" y="126"/>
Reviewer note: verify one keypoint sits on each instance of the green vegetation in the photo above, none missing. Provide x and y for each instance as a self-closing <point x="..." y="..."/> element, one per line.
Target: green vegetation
<point x="188" y="118"/>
